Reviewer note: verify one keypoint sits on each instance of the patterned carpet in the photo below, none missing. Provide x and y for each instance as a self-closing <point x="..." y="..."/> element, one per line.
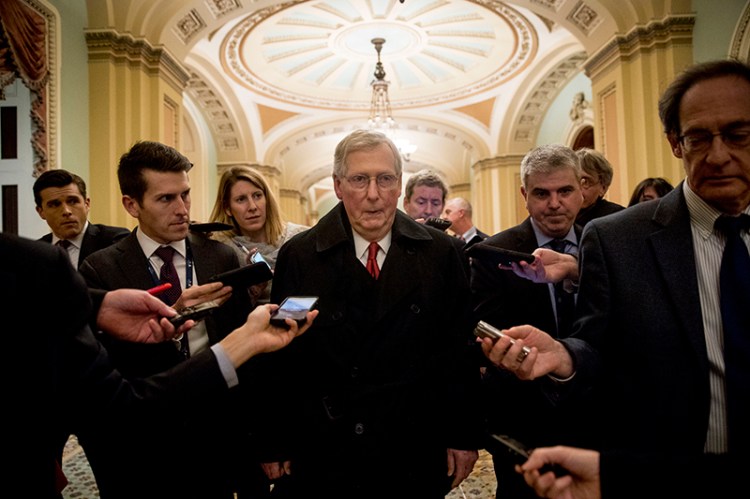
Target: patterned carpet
<point x="81" y="484"/>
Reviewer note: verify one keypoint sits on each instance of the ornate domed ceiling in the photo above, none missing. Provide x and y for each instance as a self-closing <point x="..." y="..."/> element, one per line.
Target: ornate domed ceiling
<point x="320" y="53"/>
<point x="279" y="83"/>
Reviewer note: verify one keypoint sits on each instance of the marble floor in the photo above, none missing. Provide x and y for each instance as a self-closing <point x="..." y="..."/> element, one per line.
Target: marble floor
<point x="480" y="484"/>
<point x="81" y="484"/>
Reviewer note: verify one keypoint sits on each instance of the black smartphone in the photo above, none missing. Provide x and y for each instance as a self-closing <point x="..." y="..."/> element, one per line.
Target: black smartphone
<point x="196" y="313"/>
<point x="495" y="255"/>
<point x="486" y="330"/>
<point x="520" y="453"/>
<point x="246" y="276"/>
<point x="293" y="307"/>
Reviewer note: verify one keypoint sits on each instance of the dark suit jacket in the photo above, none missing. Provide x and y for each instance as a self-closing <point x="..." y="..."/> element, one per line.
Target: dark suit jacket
<point x="96" y="237"/>
<point x="184" y="445"/>
<point x="504" y="300"/>
<point x="479" y="236"/>
<point x="124" y="265"/>
<point x="56" y="366"/>
<point x="382" y="384"/>
<point x="640" y="316"/>
<point x="600" y="208"/>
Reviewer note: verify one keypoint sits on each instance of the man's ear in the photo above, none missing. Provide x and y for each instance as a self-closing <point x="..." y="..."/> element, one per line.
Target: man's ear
<point x="674" y="143"/>
<point x="131" y="206"/>
<point x="337" y="187"/>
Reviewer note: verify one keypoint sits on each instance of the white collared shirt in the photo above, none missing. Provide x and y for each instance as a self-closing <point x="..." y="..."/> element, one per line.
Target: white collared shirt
<point x="198" y="336"/>
<point x="361" y="245"/>
<point x="709" y="249"/>
<point x="74" y="250"/>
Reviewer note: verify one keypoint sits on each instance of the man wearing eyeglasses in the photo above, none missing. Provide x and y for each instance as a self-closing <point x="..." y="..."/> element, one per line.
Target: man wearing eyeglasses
<point x="596" y="177"/>
<point x="382" y="394"/>
<point x="664" y="314"/>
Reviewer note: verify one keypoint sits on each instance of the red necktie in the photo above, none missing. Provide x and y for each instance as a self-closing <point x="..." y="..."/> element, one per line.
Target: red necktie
<point x="168" y="273"/>
<point x="372" y="260"/>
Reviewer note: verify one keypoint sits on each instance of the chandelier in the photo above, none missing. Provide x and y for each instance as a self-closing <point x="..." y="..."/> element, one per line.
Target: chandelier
<point x="380" y="106"/>
<point x="381" y="117"/>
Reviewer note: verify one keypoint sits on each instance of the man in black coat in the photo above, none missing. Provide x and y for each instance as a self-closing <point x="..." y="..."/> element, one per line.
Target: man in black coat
<point x="382" y="397"/>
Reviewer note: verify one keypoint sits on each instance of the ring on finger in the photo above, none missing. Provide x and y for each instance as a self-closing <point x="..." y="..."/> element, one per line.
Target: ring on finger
<point x="523" y="354"/>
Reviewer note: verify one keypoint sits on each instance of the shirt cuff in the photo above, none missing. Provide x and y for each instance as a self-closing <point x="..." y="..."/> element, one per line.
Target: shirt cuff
<point x="225" y="365"/>
<point x="561" y="380"/>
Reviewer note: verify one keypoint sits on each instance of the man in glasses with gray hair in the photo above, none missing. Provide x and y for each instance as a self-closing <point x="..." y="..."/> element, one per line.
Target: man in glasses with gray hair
<point x="383" y="392"/>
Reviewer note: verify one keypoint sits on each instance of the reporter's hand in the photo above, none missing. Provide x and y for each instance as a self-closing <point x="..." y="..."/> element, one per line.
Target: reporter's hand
<point x="548" y="267"/>
<point x="274" y="471"/>
<point x="583" y="482"/>
<point x="135" y="315"/>
<point x="195" y="295"/>
<point x="257" y="335"/>
<point x="547" y="355"/>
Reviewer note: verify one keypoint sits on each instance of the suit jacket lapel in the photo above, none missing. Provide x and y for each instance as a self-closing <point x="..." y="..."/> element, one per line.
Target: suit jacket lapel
<point x="133" y="263"/>
<point x="675" y="260"/>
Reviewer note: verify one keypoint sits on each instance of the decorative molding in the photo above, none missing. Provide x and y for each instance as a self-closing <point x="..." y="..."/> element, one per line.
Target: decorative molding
<point x="545" y="91"/>
<point x="503" y="161"/>
<point x="221" y="8"/>
<point x="550" y="4"/>
<point x="269" y="172"/>
<point x="584" y="17"/>
<point x="215" y="113"/>
<point x="109" y="45"/>
<point x="668" y="31"/>
<point x="188" y="26"/>
<point x="175" y="108"/>
<point x="740" y="48"/>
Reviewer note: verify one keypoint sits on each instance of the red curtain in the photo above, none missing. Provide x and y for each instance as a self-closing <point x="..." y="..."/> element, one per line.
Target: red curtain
<point x="23" y="53"/>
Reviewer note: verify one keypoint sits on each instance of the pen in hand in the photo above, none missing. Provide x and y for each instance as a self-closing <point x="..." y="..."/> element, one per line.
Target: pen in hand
<point x="159" y="289"/>
<point x="241" y="246"/>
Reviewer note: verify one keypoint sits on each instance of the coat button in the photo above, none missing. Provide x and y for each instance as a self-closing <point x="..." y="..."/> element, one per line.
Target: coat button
<point x="359" y="428"/>
<point x="415" y="308"/>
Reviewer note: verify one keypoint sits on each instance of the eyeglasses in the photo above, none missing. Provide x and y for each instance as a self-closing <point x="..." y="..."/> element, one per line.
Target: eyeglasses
<point x="700" y="141"/>
<point x="587" y="182"/>
<point x="384" y="181"/>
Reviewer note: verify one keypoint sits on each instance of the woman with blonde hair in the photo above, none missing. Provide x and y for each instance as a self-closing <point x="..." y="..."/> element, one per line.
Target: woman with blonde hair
<point x="245" y="201"/>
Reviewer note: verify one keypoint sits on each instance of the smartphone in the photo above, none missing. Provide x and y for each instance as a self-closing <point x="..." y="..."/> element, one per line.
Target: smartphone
<point x="486" y="330"/>
<point x="196" y="313"/>
<point x="258" y="258"/>
<point x="246" y="276"/>
<point x="495" y="255"/>
<point x="520" y="453"/>
<point x="293" y="307"/>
